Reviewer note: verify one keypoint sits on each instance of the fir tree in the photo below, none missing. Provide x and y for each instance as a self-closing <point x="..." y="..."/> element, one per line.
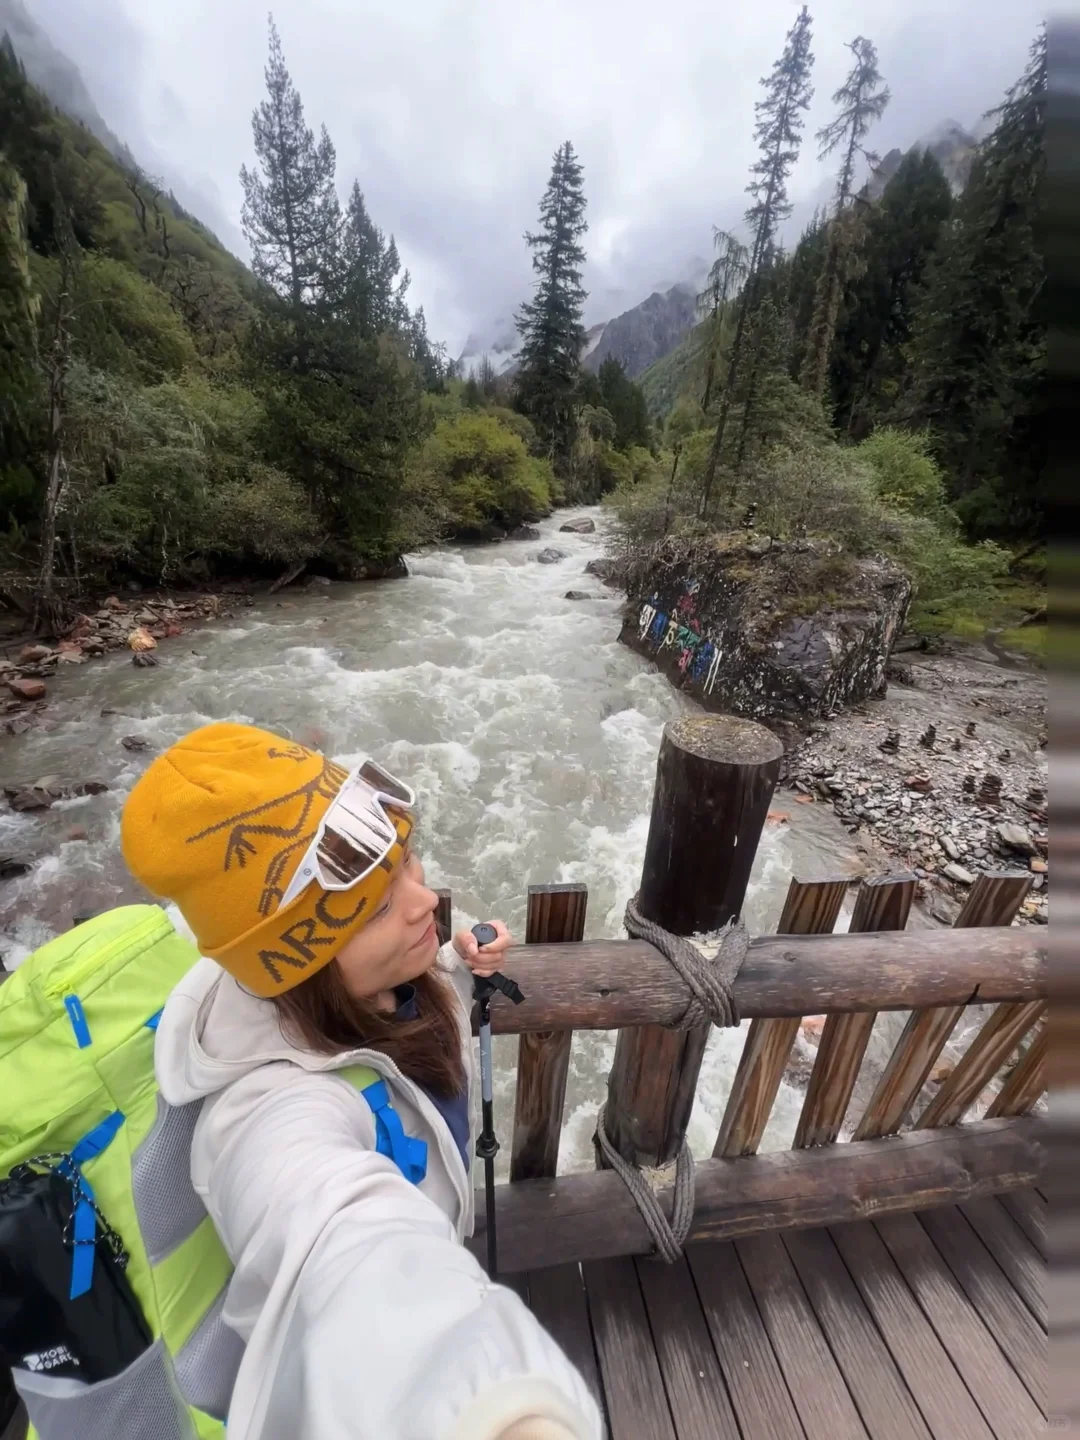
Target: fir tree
<point x="291" y="214"/>
<point x="980" y="342"/>
<point x="778" y="132"/>
<point x="625" y="403"/>
<point x="878" y="311"/>
<point x="804" y="269"/>
<point x="726" y="279"/>
<point x="368" y="286"/>
<point x="862" y="100"/>
<point x="552" y="335"/>
<point x="334" y="341"/>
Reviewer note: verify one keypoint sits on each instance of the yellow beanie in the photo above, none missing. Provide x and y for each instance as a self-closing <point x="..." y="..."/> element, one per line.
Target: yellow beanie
<point x="219" y="823"/>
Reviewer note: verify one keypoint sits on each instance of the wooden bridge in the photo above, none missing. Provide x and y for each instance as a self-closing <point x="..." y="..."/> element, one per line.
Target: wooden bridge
<point x="881" y="1286"/>
<point x="886" y="1286"/>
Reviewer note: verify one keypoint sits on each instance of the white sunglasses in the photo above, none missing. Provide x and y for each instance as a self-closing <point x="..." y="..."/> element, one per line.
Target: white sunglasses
<point x="355" y="835"/>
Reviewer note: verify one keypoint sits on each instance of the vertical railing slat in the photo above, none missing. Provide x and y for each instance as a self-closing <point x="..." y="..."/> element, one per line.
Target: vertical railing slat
<point x="1026" y="1083"/>
<point x="556" y="915"/>
<point x="993" y="900"/>
<point x="982" y="1060"/>
<point x="882" y="904"/>
<point x="811" y="908"/>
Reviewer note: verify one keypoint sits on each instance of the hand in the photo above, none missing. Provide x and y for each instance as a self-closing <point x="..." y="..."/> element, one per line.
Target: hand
<point x="487" y="960"/>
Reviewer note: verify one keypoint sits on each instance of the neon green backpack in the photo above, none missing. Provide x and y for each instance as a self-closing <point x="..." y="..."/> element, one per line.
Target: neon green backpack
<point x="77" y="1023"/>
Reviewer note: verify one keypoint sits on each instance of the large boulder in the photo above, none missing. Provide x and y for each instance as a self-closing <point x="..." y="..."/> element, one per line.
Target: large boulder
<point x="551" y="556"/>
<point x="784" y="632"/>
<point x="524" y="532"/>
<point x="609" y="571"/>
<point x="584" y="526"/>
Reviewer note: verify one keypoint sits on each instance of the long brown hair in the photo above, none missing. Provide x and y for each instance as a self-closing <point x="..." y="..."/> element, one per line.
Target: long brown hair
<point x="320" y="1015"/>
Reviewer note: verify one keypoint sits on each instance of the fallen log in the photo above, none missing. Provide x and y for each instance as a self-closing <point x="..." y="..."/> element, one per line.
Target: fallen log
<point x="593" y="1217"/>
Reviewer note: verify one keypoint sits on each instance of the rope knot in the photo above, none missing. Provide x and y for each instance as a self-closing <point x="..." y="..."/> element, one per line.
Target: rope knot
<point x="709" y="978"/>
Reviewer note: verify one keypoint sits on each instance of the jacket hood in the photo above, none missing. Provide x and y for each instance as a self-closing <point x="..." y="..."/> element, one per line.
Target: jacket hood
<point x="212" y="1032"/>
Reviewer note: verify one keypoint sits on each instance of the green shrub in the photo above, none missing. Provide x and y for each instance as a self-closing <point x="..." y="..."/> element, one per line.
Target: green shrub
<point x="473" y="473"/>
<point x="908" y="477"/>
<point x="126" y="324"/>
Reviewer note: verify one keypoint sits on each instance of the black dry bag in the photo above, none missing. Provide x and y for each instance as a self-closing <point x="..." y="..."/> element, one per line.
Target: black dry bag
<point x="89" y="1338"/>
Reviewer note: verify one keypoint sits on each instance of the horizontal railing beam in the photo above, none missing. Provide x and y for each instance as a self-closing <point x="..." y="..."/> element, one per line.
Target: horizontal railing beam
<point x="593" y="1217"/>
<point x="608" y="984"/>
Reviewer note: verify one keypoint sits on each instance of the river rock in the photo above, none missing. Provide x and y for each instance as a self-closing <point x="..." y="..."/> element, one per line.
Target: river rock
<point x="550" y="556"/>
<point x="579" y="595"/>
<point x="143" y="660"/>
<point x="135" y="742"/>
<point x="30" y="654"/>
<point x="952" y="850"/>
<point x="524" y="532"/>
<point x="584" y="526"/>
<point x="316" y="580"/>
<point x="958" y="875"/>
<point x="141" y="639"/>
<point x="750" y="634"/>
<point x="24" y="689"/>
<point x="1015" y="837"/>
<point x="29" y="799"/>
<point x="11" y="867"/>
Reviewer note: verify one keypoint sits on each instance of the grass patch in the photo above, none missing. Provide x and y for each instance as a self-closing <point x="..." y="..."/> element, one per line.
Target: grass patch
<point x="1006" y="606"/>
<point x="1029" y="640"/>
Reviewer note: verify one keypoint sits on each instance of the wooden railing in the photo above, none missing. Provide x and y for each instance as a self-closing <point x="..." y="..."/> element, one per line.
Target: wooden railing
<point x="909" y="1148"/>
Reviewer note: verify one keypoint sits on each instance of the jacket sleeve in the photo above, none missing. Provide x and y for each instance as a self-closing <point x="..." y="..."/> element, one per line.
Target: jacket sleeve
<point x="364" y="1318"/>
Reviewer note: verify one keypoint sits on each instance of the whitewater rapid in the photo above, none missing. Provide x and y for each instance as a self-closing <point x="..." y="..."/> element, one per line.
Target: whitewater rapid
<point x="530" y="734"/>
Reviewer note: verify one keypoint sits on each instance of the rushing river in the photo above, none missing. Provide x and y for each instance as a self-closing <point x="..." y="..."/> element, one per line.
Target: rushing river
<point x="529" y="732"/>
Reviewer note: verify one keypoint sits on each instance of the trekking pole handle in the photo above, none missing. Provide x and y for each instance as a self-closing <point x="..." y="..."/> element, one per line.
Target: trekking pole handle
<point x="485" y="985"/>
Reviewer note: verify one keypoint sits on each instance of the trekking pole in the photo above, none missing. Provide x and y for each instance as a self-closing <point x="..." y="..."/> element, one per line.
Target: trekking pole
<point x="487" y="1144"/>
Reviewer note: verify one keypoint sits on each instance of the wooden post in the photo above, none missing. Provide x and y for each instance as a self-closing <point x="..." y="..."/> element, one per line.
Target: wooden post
<point x="715" y="777"/>
<point x="556" y="914"/>
<point x="811" y="908"/>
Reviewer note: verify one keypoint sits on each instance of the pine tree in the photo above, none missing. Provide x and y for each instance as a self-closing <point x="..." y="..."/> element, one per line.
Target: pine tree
<point x="804" y="269"/>
<point x="778" y="131"/>
<point x="334" y="342"/>
<point x="291" y="214"/>
<point x="979" y="347"/>
<point x="726" y="279"/>
<point x="365" y="288"/>
<point x="878" y="311"/>
<point x="552" y="335"/>
<point x="862" y="100"/>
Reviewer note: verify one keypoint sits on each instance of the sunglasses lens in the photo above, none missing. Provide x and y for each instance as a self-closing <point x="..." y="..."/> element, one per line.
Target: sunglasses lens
<point x="375" y="776"/>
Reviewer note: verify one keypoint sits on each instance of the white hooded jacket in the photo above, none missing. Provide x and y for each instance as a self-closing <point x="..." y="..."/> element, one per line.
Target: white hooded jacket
<point x="364" y="1316"/>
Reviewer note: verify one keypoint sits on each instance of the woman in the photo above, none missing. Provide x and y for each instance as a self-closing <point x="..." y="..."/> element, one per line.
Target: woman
<point x="362" y="1312"/>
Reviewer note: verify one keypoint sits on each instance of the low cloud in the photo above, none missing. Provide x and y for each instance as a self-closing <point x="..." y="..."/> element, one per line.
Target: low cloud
<point x="448" y="112"/>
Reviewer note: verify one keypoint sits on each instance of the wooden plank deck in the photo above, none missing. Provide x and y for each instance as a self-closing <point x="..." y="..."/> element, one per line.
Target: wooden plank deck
<point x="927" y="1326"/>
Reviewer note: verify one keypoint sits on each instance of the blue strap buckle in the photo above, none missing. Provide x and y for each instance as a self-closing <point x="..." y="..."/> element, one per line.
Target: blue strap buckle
<point x="407" y="1153"/>
<point x="84" y="1219"/>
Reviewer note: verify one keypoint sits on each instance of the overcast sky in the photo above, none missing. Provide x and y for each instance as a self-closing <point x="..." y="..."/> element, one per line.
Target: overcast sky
<point x="448" y="111"/>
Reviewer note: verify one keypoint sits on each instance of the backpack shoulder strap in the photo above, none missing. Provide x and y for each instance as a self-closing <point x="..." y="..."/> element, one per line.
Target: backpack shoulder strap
<point x="407" y="1153"/>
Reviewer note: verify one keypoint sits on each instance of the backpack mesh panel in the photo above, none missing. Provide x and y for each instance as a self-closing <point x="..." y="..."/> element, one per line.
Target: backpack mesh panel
<point x="166" y="1204"/>
<point x="206" y="1366"/>
<point x="139" y="1404"/>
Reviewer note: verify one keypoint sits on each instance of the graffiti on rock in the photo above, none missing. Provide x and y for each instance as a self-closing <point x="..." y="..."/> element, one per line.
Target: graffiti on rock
<point x="681" y="630"/>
